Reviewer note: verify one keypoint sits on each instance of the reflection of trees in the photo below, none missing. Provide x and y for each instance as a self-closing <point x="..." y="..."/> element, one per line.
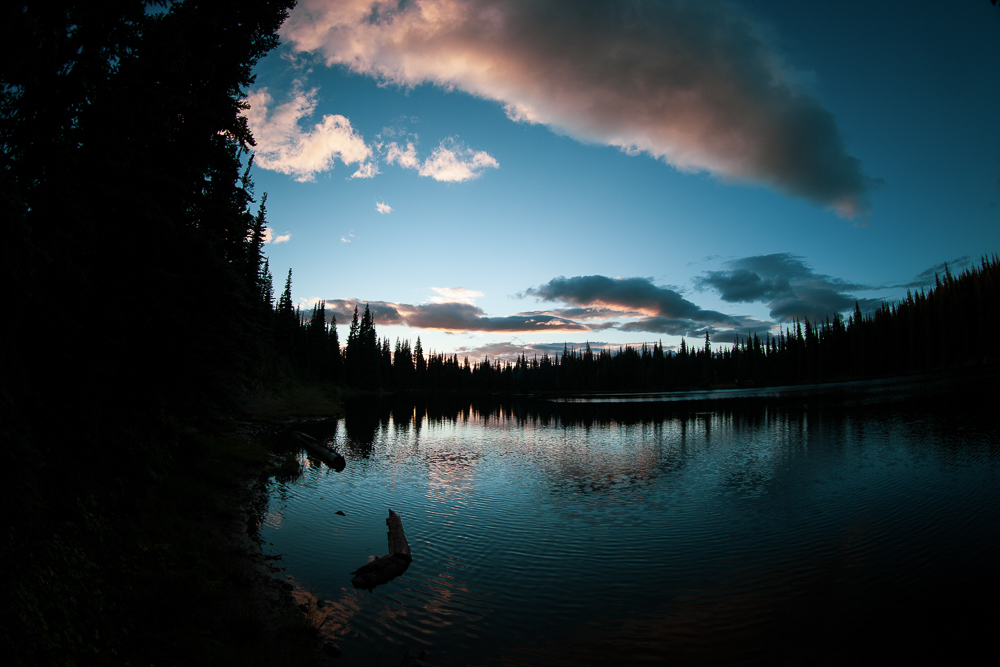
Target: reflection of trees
<point x="364" y="417"/>
<point x="362" y="422"/>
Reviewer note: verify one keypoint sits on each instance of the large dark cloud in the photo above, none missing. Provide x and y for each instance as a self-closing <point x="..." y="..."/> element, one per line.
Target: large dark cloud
<point x="664" y="325"/>
<point x="695" y="83"/>
<point x="631" y="295"/>
<point x="787" y="284"/>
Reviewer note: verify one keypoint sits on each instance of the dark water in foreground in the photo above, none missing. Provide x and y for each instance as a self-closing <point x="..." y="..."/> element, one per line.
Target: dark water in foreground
<point x="781" y="528"/>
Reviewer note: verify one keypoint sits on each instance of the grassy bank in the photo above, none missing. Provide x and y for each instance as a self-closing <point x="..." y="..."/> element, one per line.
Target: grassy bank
<point x="296" y="400"/>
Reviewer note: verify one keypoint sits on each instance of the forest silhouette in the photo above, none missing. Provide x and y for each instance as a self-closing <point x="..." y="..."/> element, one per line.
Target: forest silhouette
<point x="132" y="255"/>
<point x="945" y="327"/>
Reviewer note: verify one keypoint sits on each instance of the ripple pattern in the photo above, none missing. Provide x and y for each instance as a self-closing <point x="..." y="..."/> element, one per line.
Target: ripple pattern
<point x="708" y="538"/>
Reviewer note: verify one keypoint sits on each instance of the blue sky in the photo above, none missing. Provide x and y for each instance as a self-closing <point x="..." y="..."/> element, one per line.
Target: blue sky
<point x="495" y="176"/>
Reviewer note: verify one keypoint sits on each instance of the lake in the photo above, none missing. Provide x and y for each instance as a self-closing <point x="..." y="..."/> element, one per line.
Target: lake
<point x="783" y="526"/>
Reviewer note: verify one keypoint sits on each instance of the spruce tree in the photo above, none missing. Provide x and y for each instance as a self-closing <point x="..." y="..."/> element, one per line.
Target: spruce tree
<point x="420" y="364"/>
<point x="352" y="352"/>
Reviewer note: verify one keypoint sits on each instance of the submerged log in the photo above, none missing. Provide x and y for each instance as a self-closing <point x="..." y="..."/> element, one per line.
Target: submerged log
<point x="380" y="571"/>
<point x="320" y="450"/>
<point x="386" y="568"/>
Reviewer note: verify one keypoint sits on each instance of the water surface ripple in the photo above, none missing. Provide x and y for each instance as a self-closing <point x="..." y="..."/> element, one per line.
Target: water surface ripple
<point x="768" y="531"/>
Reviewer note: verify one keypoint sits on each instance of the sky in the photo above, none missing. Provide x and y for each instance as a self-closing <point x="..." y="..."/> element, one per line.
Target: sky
<point x="501" y="177"/>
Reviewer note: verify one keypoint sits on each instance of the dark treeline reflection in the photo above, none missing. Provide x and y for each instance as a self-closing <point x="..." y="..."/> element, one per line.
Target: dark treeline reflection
<point x="960" y="400"/>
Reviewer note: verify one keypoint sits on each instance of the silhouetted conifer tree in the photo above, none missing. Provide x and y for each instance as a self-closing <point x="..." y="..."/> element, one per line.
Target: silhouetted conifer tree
<point x="420" y="364"/>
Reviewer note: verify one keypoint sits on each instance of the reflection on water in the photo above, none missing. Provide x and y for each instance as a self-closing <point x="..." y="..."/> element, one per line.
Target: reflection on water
<point x="779" y="528"/>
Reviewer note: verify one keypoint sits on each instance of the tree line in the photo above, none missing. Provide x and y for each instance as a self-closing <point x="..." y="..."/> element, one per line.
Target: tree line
<point x="946" y="326"/>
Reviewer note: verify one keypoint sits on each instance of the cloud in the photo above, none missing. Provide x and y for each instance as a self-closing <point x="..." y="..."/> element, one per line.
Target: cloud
<point x="366" y="170"/>
<point x="787" y="284"/>
<point x="268" y="237"/>
<point x="455" y="295"/>
<point x="452" y="162"/>
<point x="598" y="303"/>
<point x="628" y="295"/>
<point x="406" y="158"/>
<point x="286" y="147"/>
<point x="696" y="84"/>
<point x="665" y="325"/>
<point x="283" y="145"/>
<point x="383" y="208"/>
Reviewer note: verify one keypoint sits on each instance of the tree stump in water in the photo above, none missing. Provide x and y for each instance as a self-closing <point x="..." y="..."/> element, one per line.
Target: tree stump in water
<point x="386" y="568"/>
<point x="397" y="538"/>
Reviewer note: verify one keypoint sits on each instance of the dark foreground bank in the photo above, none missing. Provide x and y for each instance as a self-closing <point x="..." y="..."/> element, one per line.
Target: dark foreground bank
<point x="175" y="576"/>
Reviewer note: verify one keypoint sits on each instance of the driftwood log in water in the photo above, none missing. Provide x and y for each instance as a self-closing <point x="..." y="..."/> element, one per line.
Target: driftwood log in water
<point x="386" y="568"/>
<point x="320" y="450"/>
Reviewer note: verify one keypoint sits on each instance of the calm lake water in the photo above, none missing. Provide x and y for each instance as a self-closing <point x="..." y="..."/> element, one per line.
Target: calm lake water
<point x="811" y="526"/>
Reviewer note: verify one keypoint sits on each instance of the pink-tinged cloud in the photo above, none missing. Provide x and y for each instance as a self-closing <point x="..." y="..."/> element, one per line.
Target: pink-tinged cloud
<point x="453" y="163"/>
<point x="693" y="83"/>
<point x="404" y="157"/>
<point x="664" y="308"/>
<point x="455" y="295"/>
<point x="285" y="147"/>
<point x="269" y="237"/>
<point x="450" y="162"/>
